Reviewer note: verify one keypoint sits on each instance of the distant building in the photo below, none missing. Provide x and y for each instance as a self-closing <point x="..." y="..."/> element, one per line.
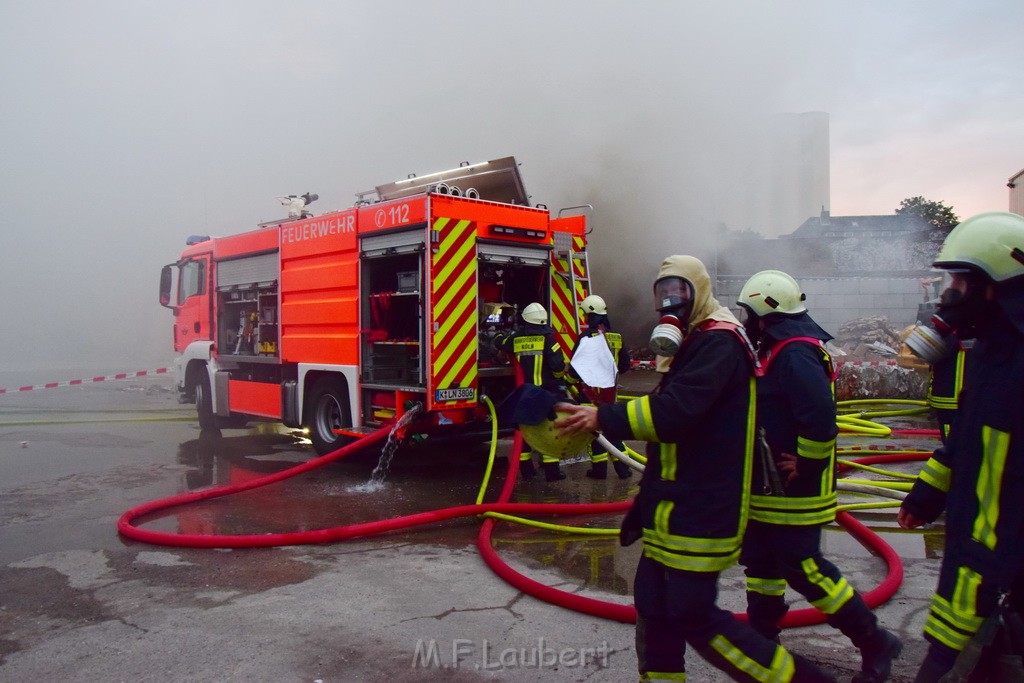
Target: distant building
<point x="864" y="227"/>
<point x="868" y="245"/>
<point x="1016" y="185"/>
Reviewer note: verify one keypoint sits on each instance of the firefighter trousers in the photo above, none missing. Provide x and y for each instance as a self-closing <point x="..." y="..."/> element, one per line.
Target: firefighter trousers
<point x="964" y="597"/>
<point x="775" y="555"/>
<point x="676" y="608"/>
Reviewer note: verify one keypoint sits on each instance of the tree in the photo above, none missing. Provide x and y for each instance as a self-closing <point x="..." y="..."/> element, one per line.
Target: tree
<point x="938" y="215"/>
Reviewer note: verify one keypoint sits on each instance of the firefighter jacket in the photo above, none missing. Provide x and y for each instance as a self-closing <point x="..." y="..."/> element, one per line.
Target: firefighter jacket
<point x="538" y="353"/>
<point x="978" y="477"/>
<point x="692" y="507"/>
<point x="796" y="408"/>
<point x="948" y="380"/>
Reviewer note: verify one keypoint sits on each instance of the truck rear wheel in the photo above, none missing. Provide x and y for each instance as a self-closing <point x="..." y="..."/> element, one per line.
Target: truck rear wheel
<point x="328" y="410"/>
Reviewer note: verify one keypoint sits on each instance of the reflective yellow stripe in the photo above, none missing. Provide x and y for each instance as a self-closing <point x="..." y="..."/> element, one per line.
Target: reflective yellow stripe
<point x="748" y="446"/>
<point x="837" y="593"/>
<point x="949" y="637"/>
<point x="958" y="383"/>
<point x="954" y="623"/>
<point x="766" y="586"/>
<point x="935" y="474"/>
<point x="780" y="670"/>
<point x="640" y="422"/>
<point x="816" y="450"/>
<point x="965" y="597"/>
<point x="793" y="503"/>
<point x="669" y="464"/>
<point x="690" y="544"/>
<point x="990" y="480"/>
<point x="942" y="402"/>
<point x="663" y="676"/>
<point x="691" y="563"/>
<point x="793" y="518"/>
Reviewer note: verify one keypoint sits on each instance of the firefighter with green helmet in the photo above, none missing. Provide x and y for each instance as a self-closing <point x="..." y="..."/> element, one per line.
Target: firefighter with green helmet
<point x="540" y="357"/>
<point x="694" y="496"/>
<point x="793" y="491"/>
<point x="599" y="329"/>
<point x="977" y="477"/>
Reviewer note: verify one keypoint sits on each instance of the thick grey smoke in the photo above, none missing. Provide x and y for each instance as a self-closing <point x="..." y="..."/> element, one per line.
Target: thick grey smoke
<point x="125" y="127"/>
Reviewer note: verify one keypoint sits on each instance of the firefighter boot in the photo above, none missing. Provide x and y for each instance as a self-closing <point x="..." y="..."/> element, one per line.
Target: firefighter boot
<point x="876" y="656"/>
<point x="552" y="472"/>
<point x="598" y="470"/>
<point x="622" y="469"/>
<point x="526" y="469"/>
<point x="877" y="646"/>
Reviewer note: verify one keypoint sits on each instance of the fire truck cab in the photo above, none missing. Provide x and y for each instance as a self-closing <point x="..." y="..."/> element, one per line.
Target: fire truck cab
<point x="342" y="322"/>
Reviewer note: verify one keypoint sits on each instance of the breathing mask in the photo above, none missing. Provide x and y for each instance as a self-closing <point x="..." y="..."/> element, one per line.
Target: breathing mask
<point x="673" y="299"/>
<point x="959" y="311"/>
<point x="751" y="325"/>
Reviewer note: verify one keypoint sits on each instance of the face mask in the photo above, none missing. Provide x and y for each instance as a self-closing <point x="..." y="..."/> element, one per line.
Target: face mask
<point x="673" y="298"/>
<point x="958" y="313"/>
<point x="667" y="336"/>
<point x="751" y="325"/>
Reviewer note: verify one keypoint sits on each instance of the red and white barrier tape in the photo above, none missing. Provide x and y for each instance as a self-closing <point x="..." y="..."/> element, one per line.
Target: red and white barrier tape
<point x="871" y="363"/>
<point x="75" y="382"/>
<point x="649" y="364"/>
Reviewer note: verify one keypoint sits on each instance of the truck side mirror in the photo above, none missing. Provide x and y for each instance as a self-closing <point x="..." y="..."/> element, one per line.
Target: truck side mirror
<point x="166" y="278"/>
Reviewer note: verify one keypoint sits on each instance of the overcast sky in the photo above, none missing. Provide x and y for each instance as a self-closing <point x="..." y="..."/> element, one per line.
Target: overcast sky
<point x="126" y="126"/>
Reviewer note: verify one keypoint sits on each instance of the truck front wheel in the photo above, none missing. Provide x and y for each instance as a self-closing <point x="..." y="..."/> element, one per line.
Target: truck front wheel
<point x="328" y="410"/>
<point x="204" y="401"/>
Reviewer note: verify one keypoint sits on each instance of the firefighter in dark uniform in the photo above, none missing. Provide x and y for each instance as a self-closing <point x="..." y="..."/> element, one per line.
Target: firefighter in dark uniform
<point x="691" y="510"/>
<point x="978" y="476"/>
<point x="598" y="325"/>
<point x="793" y="492"/>
<point x="947" y="381"/>
<point x="543" y="364"/>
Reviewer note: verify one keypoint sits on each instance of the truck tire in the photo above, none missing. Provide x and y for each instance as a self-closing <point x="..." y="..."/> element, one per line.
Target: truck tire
<point x="326" y="411"/>
<point x="204" y="401"/>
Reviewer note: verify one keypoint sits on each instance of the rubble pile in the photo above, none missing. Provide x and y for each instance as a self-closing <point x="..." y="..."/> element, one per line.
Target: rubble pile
<point x="867" y="339"/>
<point x="866" y="351"/>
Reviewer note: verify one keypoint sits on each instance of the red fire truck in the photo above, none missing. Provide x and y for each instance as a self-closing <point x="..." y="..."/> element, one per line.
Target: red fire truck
<point x="341" y="322"/>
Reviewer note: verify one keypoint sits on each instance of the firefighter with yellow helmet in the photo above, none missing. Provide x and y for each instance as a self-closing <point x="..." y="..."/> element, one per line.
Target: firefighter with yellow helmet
<point x="793" y="492"/>
<point x="599" y="329"/>
<point x="540" y="357"/>
<point x="691" y="510"/>
<point x="977" y="477"/>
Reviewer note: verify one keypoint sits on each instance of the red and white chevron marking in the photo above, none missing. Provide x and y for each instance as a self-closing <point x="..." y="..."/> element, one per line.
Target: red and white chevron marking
<point x="75" y="382"/>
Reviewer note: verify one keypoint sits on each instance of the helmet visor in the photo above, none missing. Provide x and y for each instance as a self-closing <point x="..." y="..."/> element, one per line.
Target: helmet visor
<point x="672" y="294"/>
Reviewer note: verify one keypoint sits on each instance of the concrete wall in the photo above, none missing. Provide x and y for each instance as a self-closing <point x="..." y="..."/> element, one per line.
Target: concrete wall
<point x="832" y="301"/>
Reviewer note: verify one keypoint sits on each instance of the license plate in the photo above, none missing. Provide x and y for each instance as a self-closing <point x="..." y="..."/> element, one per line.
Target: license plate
<point x="457" y="394"/>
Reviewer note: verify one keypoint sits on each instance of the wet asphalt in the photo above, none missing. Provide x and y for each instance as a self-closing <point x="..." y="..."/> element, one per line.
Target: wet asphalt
<point x="80" y="602"/>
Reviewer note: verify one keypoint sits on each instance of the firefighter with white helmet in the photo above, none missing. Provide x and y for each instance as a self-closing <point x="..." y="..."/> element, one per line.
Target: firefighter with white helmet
<point x="976" y="477"/>
<point x="691" y="508"/>
<point x="540" y="357"/>
<point x="599" y="327"/>
<point x="793" y="490"/>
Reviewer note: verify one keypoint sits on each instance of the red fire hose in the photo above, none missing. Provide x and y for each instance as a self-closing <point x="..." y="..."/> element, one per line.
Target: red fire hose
<point x="607" y="610"/>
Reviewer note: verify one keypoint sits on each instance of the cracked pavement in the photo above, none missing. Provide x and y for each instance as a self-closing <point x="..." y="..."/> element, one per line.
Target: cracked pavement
<point x="78" y="602"/>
